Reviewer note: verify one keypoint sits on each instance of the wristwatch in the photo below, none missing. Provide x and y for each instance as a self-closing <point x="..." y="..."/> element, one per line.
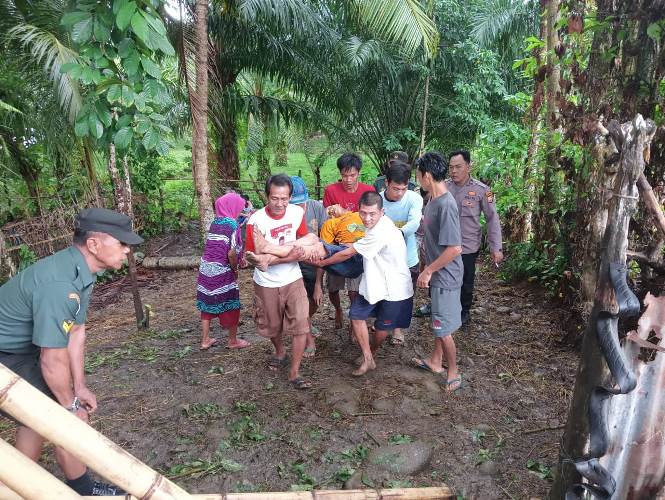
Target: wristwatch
<point x="76" y="404"/>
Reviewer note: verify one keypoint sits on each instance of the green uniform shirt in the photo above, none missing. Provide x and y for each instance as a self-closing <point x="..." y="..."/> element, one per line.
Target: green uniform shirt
<point x="39" y="306"/>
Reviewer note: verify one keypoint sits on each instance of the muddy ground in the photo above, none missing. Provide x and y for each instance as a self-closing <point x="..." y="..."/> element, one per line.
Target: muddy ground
<point x="218" y="420"/>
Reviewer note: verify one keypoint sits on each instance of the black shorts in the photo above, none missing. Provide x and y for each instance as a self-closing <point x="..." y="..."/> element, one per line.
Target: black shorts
<point x="308" y="278"/>
<point x="27" y="367"/>
<point x="389" y="314"/>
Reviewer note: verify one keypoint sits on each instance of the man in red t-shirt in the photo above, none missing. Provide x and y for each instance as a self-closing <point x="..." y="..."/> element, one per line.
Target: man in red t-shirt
<point x="339" y="198"/>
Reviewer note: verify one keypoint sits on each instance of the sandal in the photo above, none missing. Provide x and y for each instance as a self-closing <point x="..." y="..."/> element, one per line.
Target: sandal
<point x="397" y="341"/>
<point x="213" y="343"/>
<point x="275" y="363"/>
<point x="457" y="381"/>
<point x="309" y="352"/>
<point x="239" y="344"/>
<point x="300" y="383"/>
<point x="420" y="363"/>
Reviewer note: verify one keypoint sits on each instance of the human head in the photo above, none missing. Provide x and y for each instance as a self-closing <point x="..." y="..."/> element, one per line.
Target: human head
<point x="431" y="168"/>
<point x="103" y="237"/>
<point x="370" y="208"/>
<point x="349" y="165"/>
<point x="300" y="193"/>
<point x="397" y="180"/>
<point x="230" y="205"/>
<point x="278" y="191"/>
<point x="460" y="166"/>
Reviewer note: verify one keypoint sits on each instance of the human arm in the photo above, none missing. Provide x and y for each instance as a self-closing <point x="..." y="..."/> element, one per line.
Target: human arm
<point x="415" y="214"/>
<point x="441" y="261"/>
<point x="488" y="206"/>
<point x="318" y="287"/>
<point x="76" y="353"/>
<point x="55" y="367"/>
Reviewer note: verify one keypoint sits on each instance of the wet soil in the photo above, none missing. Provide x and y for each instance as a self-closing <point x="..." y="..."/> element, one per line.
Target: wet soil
<point x="220" y="421"/>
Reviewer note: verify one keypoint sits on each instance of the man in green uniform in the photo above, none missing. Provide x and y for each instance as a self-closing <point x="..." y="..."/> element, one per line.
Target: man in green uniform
<point x="42" y="327"/>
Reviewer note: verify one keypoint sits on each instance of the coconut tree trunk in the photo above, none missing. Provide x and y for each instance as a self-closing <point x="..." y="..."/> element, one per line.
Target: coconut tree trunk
<point x="92" y="175"/>
<point x="423" y="128"/>
<point x="631" y="140"/>
<point x="199" y="105"/>
<point x="228" y="162"/>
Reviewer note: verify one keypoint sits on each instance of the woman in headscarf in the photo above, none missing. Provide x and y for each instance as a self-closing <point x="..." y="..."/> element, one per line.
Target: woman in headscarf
<point x="217" y="293"/>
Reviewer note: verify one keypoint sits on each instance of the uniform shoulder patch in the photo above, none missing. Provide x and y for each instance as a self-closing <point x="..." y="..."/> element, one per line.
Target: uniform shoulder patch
<point x="67" y="326"/>
<point x="77" y="298"/>
<point x="490" y="196"/>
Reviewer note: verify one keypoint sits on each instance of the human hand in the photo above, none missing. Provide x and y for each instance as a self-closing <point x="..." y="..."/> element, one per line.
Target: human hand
<point x="82" y="413"/>
<point x="424" y="279"/>
<point x="318" y="295"/>
<point x="87" y="398"/>
<point x="497" y="257"/>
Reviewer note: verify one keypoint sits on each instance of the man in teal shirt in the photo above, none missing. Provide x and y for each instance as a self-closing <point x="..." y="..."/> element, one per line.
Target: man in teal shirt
<point x="405" y="208"/>
<point x="42" y="327"/>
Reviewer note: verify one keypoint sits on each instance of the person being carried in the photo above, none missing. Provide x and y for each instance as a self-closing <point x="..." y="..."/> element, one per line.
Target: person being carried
<point x="217" y="292"/>
<point x="383" y="252"/>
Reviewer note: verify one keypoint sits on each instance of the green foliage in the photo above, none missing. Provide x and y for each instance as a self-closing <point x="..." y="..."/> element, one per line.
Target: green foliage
<point x="527" y="261"/>
<point x="26" y="257"/>
<point x="121" y="45"/>
<point x="244" y="431"/>
<point x="201" y="468"/>
<point x="202" y="411"/>
<point x="540" y="469"/>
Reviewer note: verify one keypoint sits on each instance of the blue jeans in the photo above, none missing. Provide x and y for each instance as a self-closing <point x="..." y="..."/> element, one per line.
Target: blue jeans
<point x="351" y="268"/>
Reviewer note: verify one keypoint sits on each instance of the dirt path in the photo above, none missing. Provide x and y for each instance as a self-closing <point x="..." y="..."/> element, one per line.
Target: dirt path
<point x="220" y="421"/>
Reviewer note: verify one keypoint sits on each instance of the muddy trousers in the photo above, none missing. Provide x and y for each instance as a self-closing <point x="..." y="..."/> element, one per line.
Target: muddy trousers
<point x="466" y="295"/>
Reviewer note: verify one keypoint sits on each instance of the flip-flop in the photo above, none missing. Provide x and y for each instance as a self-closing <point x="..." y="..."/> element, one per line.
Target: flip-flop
<point x="454" y="381"/>
<point x="300" y="383"/>
<point x="420" y="363"/>
<point x="309" y="352"/>
<point x="396" y="341"/>
<point x="240" y="344"/>
<point x="213" y="343"/>
<point x="275" y="364"/>
<point x="316" y="333"/>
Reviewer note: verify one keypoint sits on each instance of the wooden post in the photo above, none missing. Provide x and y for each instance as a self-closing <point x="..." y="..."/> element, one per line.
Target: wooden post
<point x="43" y="415"/>
<point x="28" y="479"/>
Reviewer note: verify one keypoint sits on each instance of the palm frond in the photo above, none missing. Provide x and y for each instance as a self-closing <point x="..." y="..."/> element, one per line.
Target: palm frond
<point x="48" y="52"/>
<point x="403" y="22"/>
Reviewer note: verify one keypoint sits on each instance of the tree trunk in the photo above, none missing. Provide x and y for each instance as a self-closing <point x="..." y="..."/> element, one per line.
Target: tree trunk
<point x="593" y="369"/>
<point x="546" y="227"/>
<point x="122" y="189"/>
<point x="228" y="162"/>
<point x="7" y="266"/>
<point x="199" y="104"/>
<point x="92" y="175"/>
<point x="187" y="262"/>
<point x="423" y="128"/>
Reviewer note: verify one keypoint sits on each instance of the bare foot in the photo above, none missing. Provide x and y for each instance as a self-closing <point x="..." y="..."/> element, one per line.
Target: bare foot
<point x="208" y="344"/>
<point x="364" y="368"/>
<point x="259" y="241"/>
<point x="258" y="261"/>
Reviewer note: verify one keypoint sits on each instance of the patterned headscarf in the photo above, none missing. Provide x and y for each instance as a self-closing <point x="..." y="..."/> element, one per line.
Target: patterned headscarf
<point x="230" y="205"/>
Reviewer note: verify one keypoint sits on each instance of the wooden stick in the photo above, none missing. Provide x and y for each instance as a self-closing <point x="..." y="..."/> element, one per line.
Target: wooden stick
<point x="432" y="493"/>
<point x="27" y="478"/>
<point x="651" y="203"/>
<point x="43" y="415"/>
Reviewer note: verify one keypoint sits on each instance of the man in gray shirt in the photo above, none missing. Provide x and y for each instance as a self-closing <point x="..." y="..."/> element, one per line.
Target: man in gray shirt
<point x="443" y="271"/>
<point x="473" y="198"/>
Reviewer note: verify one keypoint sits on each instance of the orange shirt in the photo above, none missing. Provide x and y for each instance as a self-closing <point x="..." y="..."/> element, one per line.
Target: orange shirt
<point x="343" y="230"/>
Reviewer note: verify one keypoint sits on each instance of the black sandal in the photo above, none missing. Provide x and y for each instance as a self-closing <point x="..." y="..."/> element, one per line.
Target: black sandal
<point x="300" y="383"/>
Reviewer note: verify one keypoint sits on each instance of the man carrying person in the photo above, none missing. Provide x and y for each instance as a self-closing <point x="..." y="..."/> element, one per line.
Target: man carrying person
<point x="315" y="216"/>
<point x="443" y="270"/>
<point x="340" y="198"/>
<point x="386" y="291"/>
<point x="42" y="328"/>
<point x="404" y="208"/>
<point x="280" y="299"/>
<point x="473" y="198"/>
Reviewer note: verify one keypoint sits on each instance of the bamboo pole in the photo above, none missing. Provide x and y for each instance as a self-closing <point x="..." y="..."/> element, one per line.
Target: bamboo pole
<point x="9" y="494"/>
<point x="28" y="479"/>
<point x="431" y="493"/>
<point x="38" y="412"/>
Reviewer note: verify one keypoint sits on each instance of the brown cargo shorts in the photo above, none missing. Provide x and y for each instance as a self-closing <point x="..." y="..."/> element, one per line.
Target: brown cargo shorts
<point x="281" y="310"/>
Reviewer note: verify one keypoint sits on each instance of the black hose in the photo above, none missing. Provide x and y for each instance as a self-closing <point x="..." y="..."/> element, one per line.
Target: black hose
<point x="601" y="484"/>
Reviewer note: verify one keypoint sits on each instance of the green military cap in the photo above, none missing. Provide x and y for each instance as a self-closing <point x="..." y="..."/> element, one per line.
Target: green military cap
<point x="110" y="222"/>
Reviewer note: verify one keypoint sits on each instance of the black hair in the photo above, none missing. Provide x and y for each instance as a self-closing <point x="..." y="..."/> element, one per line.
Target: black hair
<point x="463" y="152"/>
<point x="398" y="172"/>
<point x="348" y="161"/>
<point x="279" y="180"/>
<point x="434" y="163"/>
<point x="371" y="198"/>
<point x="80" y="237"/>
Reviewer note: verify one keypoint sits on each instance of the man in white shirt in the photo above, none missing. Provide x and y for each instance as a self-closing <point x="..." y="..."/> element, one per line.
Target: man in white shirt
<point x="280" y="300"/>
<point x="386" y="291"/>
